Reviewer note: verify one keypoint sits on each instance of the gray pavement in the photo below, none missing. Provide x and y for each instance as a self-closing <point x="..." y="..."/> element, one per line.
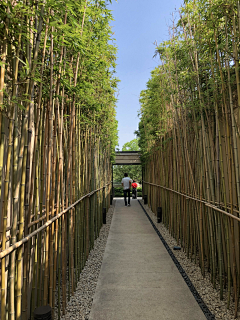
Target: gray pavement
<point x="138" y="279"/>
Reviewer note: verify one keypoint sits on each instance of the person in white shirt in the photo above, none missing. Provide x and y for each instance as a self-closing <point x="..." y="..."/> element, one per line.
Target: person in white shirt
<point x="126" y="183"/>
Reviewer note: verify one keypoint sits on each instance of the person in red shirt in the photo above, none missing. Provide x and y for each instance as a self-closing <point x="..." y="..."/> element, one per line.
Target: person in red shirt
<point x="134" y="189"/>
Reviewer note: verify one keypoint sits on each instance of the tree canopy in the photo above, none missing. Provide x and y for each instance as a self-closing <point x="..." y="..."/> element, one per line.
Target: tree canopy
<point x="131" y="146"/>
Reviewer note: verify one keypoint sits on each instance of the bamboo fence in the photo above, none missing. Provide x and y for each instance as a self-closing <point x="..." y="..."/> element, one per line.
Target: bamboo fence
<point x="189" y="134"/>
<point x="57" y="136"/>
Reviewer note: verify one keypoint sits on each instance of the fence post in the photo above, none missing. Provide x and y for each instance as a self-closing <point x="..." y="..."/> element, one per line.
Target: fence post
<point x="111" y="199"/>
<point x="104" y="215"/>
<point x="145" y="199"/>
<point x="43" y="313"/>
<point x="159" y="214"/>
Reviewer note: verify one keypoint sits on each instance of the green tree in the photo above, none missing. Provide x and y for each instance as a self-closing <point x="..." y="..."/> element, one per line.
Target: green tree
<point x="131" y="146"/>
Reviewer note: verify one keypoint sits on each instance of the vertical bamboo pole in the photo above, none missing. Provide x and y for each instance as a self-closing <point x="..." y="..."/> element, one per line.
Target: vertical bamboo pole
<point x="50" y="145"/>
<point x="2" y="76"/>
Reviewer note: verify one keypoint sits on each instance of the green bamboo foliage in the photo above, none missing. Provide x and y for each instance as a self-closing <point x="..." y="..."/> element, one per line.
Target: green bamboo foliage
<point x="189" y="138"/>
<point x="57" y="116"/>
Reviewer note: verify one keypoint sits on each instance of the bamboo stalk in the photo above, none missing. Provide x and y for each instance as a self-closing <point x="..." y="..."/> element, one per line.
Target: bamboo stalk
<point x="50" y="142"/>
<point x="15" y="191"/>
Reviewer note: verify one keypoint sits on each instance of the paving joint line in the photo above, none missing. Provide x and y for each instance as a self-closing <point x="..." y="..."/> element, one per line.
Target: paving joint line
<point x="201" y="303"/>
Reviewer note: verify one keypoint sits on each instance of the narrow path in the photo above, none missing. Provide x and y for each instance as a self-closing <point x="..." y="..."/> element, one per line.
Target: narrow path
<point x="138" y="279"/>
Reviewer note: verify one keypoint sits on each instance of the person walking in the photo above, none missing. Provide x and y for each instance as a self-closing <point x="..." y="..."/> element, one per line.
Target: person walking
<point x="134" y="190"/>
<point x="126" y="183"/>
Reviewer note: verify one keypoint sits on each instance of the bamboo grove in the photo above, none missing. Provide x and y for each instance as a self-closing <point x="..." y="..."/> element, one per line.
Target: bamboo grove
<point x="189" y="134"/>
<point x="57" y="137"/>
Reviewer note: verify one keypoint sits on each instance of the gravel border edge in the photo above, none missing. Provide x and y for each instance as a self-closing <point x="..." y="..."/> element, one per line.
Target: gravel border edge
<point x="80" y="304"/>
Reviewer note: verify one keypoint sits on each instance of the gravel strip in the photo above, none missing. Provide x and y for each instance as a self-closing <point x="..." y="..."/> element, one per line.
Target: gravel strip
<point x="210" y="296"/>
<point x="80" y="304"/>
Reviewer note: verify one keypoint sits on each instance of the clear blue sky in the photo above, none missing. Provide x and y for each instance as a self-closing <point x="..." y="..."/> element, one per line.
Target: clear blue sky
<point x="138" y="24"/>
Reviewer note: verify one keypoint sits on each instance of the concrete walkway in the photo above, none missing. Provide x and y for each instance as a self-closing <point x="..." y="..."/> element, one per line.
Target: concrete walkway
<point x="138" y="279"/>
